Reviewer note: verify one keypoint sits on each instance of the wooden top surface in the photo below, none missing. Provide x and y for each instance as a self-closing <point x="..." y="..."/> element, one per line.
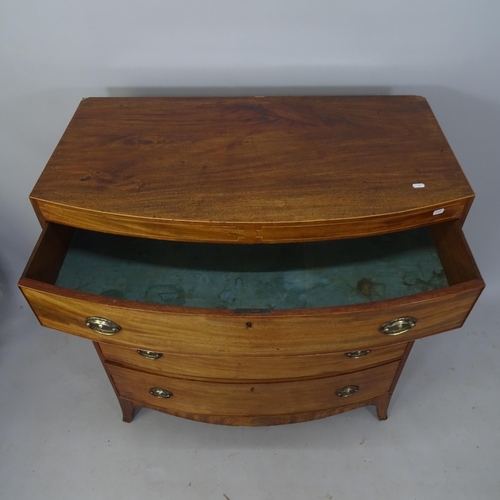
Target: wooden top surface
<point x="199" y="168"/>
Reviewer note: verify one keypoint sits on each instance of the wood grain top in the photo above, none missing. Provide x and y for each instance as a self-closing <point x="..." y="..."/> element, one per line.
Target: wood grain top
<point x="252" y="169"/>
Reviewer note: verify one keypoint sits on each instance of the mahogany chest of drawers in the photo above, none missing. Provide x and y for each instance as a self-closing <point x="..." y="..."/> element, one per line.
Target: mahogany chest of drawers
<point x="253" y="260"/>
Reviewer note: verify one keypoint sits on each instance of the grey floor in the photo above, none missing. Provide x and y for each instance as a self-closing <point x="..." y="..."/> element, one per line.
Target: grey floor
<point x="61" y="435"/>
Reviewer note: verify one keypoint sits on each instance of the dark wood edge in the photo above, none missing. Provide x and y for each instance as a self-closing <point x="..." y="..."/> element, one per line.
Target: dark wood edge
<point x="33" y="253"/>
<point x="466" y="209"/>
<point x="454" y="252"/>
<point x="48" y="255"/>
<point x="38" y="213"/>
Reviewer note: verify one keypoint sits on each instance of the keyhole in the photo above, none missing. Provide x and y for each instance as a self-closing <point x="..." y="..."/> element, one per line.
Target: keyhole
<point x="249" y="325"/>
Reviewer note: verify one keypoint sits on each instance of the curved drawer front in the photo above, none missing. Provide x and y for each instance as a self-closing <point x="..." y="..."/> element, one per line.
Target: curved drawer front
<point x="206" y="398"/>
<point x="251" y="367"/>
<point x="208" y="333"/>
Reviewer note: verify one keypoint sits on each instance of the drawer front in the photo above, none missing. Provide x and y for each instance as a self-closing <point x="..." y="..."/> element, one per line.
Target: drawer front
<point x="251" y="367"/>
<point x="256" y="399"/>
<point x="208" y="333"/>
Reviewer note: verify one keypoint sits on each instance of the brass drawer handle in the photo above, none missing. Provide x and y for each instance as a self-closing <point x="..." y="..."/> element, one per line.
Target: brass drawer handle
<point x="158" y="392"/>
<point x="358" y="354"/>
<point x="398" y="326"/>
<point x="149" y="354"/>
<point x="102" y="325"/>
<point x="347" y="391"/>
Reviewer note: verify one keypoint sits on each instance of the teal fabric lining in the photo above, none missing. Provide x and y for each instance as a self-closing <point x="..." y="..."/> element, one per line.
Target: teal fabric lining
<point x="266" y="277"/>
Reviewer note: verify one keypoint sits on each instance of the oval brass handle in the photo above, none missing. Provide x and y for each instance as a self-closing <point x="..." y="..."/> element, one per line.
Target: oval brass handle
<point x="358" y="354"/>
<point x="158" y="392"/>
<point x="149" y="354"/>
<point x="102" y="325"/>
<point x="347" y="391"/>
<point x="398" y="326"/>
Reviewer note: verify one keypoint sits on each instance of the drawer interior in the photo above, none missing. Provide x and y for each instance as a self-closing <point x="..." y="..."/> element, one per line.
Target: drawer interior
<point x="254" y="277"/>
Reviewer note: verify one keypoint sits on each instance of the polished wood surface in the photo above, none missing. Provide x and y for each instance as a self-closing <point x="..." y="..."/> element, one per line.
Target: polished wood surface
<point x="252" y="169"/>
<point x="251" y="232"/>
<point x="209" y="333"/>
<point x="255" y="399"/>
<point x="381" y="404"/>
<point x="197" y="367"/>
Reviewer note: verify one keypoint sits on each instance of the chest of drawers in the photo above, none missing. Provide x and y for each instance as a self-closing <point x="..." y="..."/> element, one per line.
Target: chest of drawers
<point x="254" y="260"/>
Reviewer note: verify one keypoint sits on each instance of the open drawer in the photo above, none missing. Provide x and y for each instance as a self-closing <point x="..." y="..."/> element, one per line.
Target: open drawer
<point x="286" y="299"/>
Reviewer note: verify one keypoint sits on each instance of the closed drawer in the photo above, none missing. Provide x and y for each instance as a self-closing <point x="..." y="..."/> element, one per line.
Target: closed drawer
<point x="204" y="331"/>
<point x="255" y="399"/>
<point x="251" y="367"/>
